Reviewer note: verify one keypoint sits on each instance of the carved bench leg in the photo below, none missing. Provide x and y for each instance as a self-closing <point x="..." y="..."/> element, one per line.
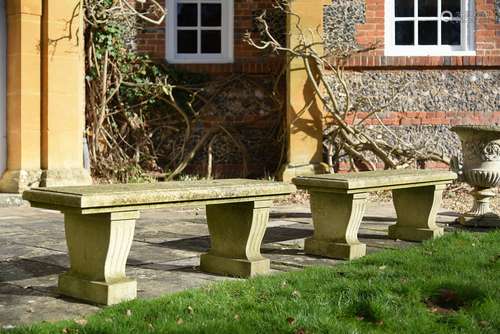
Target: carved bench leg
<point x="98" y="247"/>
<point x="417" y="209"/>
<point x="336" y="219"/>
<point x="236" y="232"/>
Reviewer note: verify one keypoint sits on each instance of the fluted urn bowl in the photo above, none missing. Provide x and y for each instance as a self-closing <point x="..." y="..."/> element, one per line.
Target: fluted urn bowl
<point x="481" y="152"/>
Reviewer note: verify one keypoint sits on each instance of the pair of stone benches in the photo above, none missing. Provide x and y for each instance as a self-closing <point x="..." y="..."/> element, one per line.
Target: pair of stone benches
<point x="100" y="221"/>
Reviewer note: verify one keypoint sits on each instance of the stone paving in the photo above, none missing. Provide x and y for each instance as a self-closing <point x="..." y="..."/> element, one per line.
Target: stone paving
<point x="164" y="255"/>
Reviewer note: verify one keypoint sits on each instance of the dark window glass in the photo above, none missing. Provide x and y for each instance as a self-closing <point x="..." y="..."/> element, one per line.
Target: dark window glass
<point x="427" y="8"/>
<point x="404" y="8"/>
<point x="211" y="41"/>
<point x="187" y="15"/>
<point x="405" y="33"/>
<point x="427" y="32"/>
<point x="211" y="15"/>
<point x="187" y="41"/>
<point x="450" y="33"/>
<point x="452" y="6"/>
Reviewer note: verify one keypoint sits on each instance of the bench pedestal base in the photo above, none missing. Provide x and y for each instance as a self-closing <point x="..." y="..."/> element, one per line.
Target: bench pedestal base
<point x="336" y="219"/>
<point x="98" y="247"/>
<point x="234" y="267"/>
<point x="334" y="250"/>
<point x="236" y="233"/>
<point x="414" y="234"/>
<point x="97" y="292"/>
<point x="417" y="210"/>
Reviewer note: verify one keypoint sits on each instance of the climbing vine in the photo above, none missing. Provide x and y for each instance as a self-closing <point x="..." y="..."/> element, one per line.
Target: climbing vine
<point x="143" y="117"/>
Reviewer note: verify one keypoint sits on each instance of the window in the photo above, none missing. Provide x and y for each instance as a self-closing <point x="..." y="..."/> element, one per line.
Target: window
<point x="429" y="28"/>
<point x="200" y="31"/>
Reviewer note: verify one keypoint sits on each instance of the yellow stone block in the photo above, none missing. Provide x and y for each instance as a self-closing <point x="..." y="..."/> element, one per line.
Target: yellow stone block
<point x="24" y="35"/>
<point x="23" y="76"/>
<point x="29" y="7"/>
<point x="304" y="112"/>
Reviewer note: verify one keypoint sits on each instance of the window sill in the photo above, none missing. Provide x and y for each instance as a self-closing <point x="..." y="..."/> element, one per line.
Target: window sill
<point x="429" y="53"/>
<point x="200" y="60"/>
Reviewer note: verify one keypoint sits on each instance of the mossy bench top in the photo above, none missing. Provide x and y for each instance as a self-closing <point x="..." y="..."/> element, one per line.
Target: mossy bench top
<point x="375" y="180"/>
<point x="151" y="194"/>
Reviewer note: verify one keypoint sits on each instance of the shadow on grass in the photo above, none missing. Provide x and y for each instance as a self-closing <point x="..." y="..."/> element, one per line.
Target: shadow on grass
<point x="450" y="298"/>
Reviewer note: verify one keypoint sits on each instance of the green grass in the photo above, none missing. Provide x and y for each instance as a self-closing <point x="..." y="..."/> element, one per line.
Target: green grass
<point x="451" y="285"/>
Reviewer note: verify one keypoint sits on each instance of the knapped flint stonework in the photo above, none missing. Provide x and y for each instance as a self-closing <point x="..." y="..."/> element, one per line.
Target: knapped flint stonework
<point x="437" y="137"/>
<point x="340" y="19"/>
<point x="497" y="10"/>
<point x="466" y="91"/>
<point x="429" y="90"/>
<point x="243" y="107"/>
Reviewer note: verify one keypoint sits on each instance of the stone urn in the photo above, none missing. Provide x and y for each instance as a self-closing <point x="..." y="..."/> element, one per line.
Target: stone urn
<point x="481" y="150"/>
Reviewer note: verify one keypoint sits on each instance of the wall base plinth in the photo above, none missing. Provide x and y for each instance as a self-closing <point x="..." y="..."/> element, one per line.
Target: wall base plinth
<point x="65" y="177"/>
<point x="17" y="181"/>
<point x="290" y="171"/>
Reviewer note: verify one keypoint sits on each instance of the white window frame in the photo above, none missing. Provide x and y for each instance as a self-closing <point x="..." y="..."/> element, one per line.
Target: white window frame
<point x="467" y="47"/>
<point x="227" y="29"/>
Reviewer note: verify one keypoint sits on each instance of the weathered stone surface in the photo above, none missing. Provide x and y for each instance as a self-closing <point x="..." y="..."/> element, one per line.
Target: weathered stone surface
<point x="336" y="219"/>
<point x="338" y="203"/>
<point x="98" y="247"/>
<point x="155" y="194"/>
<point x="481" y="150"/>
<point x="417" y="209"/>
<point x="100" y="224"/>
<point x="377" y="180"/>
<point x="235" y="248"/>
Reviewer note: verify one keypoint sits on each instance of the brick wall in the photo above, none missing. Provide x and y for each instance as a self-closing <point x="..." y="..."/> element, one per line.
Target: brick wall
<point x="487" y="36"/>
<point x="247" y="59"/>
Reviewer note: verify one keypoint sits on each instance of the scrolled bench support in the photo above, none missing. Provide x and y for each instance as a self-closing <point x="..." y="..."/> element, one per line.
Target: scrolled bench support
<point x="417" y="210"/>
<point x="336" y="219"/>
<point x="98" y="247"/>
<point x="236" y="232"/>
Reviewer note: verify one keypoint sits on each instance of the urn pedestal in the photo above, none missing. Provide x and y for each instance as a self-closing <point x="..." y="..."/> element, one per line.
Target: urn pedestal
<point x="481" y="150"/>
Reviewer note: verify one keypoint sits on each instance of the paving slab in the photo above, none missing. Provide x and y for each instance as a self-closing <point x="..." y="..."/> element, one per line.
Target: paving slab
<point x="164" y="256"/>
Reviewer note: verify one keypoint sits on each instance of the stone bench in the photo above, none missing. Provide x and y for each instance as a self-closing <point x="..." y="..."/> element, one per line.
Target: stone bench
<point x="338" y="203"/>
<point x="100" y="221"/>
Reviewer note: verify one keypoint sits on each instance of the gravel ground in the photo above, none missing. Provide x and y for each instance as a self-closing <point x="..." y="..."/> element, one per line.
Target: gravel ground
<point x="456" y="198"/>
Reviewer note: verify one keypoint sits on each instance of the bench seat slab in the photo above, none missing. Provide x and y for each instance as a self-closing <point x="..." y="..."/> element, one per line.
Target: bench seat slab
<point x="416" y="210"/>
<point x="236" y="233"/>
<point x="336" y="219"/>
<point x="98" y="247"/>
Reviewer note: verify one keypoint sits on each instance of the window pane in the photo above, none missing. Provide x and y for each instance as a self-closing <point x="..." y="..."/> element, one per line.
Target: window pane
<point x="427" y="32"/>
<point x="211" y="15"/>
<point x="452" y="6"/>
<point x="427" y="8"/>
<point x="404" y="33"/>
<point x="187" y="15"/>
<point x="187" y="41"/>
<point x="404" y="8"/>
<point x="450" y="33"/>
<point x="211" y="41"/>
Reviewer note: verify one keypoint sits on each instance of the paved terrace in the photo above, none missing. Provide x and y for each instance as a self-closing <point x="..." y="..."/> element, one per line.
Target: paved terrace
<point x="164" y="255"/>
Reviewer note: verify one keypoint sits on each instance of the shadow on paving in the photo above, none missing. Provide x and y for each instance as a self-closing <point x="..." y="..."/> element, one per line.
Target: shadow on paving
<point x="22" y="269"/>
<point x="273" y="234"/>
